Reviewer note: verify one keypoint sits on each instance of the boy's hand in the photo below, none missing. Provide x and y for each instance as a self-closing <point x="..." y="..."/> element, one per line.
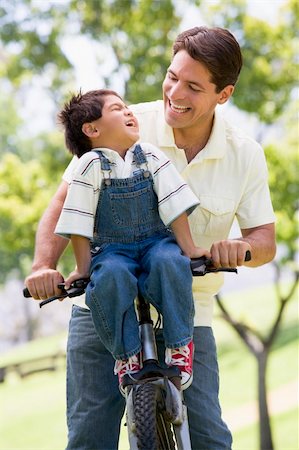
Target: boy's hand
<point x="198" y="252"/>
<point x="73" y="276"/>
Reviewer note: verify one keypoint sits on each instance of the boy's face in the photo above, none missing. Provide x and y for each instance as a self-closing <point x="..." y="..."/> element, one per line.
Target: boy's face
<point x="117" y="128"/>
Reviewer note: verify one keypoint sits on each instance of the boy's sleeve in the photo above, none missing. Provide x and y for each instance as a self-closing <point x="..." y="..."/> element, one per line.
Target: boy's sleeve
<point x="71" y="168"/>
<point x="77" y="215"/>
<point x="174" y="194"/>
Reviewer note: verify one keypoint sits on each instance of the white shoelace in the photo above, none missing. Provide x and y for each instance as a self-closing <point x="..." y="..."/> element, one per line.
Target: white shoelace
<point x="128" y="365"/>
<point x="181" y="361"/>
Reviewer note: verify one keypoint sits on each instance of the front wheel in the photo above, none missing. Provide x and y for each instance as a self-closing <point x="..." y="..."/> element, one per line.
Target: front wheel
<point x="153" y="431"/>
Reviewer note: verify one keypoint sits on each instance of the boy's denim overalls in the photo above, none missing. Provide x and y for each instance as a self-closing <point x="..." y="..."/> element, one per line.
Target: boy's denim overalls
<point x="132" y="249"/>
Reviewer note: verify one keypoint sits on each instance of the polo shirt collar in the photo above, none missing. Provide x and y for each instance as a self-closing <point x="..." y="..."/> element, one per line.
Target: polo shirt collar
<point x="215" y="147"/>
<point x="164" y="132"/>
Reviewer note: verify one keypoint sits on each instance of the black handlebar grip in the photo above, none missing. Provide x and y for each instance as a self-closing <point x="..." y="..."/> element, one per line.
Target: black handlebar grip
<point x="247" y="256"/>
<point x="26" y="293"/>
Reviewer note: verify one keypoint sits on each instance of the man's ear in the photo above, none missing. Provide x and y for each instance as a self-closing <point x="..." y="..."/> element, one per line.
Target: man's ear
<point x="226" y="93"/>
<point x="90" y="130"/>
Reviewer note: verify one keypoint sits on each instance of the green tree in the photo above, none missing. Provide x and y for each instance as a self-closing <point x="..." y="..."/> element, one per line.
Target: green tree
<point x="24" y="193"/>
<point x="140" y="34"/>
<point x="26" y="188"/>
<point x="127" y="29"/>
<point x="270" y="54"/>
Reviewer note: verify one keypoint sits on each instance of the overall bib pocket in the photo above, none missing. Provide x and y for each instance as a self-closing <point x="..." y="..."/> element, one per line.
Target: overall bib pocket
<point x="133" y="208"/>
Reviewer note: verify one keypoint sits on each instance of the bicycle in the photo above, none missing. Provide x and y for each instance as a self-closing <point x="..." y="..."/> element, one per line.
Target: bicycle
<point x="156" y="414"/>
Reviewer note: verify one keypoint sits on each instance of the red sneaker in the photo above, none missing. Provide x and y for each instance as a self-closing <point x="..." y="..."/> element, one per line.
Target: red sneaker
<point x="129" y="366"/>
<point x="183" y="358"/>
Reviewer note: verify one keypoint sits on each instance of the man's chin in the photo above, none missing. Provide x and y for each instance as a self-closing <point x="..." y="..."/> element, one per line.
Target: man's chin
<point x="174" y="122"/>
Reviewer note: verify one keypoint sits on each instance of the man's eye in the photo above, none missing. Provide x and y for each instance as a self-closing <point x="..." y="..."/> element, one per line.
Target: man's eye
<point x="171" y="77"/>
<point x="194" y="88"/>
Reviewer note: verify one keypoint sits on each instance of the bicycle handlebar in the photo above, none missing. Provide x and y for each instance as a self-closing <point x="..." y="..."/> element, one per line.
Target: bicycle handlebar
<point x="77" y="288"/>
<point x="199" y="267"/>
<point x="204" y="265"/>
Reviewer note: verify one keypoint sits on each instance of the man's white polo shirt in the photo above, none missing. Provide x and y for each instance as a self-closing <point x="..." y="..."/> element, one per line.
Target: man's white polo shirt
<point x="229" y="176"/>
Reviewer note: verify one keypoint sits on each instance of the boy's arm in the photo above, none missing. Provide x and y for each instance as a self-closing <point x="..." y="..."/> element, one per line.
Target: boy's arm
<point x="42" y="282"/>
<point x="82" y="254"/>
<point x="181" y="230"/>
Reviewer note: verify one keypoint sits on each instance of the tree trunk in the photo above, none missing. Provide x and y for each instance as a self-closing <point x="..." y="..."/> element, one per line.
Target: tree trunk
<point x="266" y="442"/>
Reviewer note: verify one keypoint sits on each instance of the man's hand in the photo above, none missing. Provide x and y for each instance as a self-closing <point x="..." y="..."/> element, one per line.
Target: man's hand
<point x="43" y="283"/>
<point x="229" y="253"/>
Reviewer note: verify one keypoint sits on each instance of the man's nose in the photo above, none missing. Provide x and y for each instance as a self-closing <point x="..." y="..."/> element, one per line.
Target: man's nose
<point x="177" y="91"/>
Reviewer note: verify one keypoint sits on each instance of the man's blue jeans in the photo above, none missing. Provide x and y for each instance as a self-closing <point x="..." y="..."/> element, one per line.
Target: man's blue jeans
<point x="95" y="407"/>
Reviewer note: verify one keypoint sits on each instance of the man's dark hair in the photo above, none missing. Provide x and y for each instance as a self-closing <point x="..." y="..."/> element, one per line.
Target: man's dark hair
<point x="217" y="49"/>
<point x="82" y="108"/>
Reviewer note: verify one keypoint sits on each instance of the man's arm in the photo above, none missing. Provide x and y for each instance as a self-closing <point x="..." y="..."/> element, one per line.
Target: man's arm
<point x="260" y="241"/>
<point x="42" y="282"/>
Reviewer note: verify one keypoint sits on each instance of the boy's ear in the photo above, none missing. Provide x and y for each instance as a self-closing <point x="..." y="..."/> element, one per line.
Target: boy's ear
<point x="226" y="93"/>
<point x="90" y="130"/>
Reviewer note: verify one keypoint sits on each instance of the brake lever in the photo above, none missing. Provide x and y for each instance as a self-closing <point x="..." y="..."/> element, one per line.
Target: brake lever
<point x="77" y="288"/>
<point x="203" y="266"/>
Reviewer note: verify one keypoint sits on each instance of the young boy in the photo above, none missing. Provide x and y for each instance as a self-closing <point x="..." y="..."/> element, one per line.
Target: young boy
<point x="121" y="203"/>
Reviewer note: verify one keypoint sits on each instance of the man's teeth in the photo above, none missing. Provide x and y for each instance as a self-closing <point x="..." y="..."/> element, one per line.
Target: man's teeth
<point x="178" y="108"/>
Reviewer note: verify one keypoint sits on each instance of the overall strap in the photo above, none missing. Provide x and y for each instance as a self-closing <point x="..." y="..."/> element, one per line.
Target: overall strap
<point x="105" y="167"/>
<point x="140" y="159"/>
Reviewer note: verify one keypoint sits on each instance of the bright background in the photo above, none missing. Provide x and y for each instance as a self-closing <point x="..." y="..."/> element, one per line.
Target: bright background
<point x="47" y="50"/>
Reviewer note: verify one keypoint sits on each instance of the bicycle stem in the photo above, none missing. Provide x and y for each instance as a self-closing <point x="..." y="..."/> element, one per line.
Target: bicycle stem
<point x="147" y="336"/>
<point x="147" y="333"/>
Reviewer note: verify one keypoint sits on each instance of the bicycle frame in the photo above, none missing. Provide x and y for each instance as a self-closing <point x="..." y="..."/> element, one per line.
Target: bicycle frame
<point x="153" y="373"/>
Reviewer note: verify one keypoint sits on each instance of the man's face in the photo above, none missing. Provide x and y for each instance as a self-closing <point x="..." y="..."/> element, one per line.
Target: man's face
<point x="189" y="96"/>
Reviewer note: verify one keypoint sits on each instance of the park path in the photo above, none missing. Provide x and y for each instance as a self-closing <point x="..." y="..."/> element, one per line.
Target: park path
<point x="280" y="400"/>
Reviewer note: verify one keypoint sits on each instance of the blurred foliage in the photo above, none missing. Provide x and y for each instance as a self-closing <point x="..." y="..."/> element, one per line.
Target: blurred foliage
<point x="32" y="34"/>
<point x="10" y="123"/>
<point x="24" y="191"/>
<point x="270" y="54"/>
<point x="140" y="34"/>
<point x="283" y="163"/>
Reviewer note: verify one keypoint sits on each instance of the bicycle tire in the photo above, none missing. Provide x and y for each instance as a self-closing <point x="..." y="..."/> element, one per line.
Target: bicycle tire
<point x="165" y="434"/>
<point x="153" y="431"/>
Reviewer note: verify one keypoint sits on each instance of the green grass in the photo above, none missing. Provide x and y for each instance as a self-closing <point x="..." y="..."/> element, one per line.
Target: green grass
<point x="238" y="367"/>
<point x="33" y="409"/>
<point x="33" y="412"/>
<point x="285" y="433"/>
<point x="39" y="347"/>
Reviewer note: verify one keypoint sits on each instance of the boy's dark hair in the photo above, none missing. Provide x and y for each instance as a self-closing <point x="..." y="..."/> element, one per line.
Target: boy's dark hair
<point x="217" y="49"/>
<point x="81" y="108"/>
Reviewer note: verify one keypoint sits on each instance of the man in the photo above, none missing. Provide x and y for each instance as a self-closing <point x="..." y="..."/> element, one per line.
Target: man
<point x="227" y="171"/>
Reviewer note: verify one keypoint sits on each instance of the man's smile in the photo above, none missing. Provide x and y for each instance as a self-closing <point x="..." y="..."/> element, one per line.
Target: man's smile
<point x="178" y="108"/>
